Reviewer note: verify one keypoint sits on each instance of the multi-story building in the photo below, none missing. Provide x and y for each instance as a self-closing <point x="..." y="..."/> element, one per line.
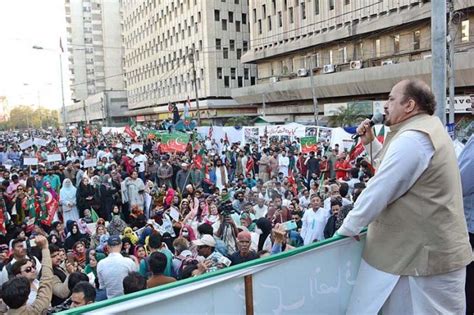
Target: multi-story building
<point x="95" y="46"/>
<point x="350" y="51"/>
<point x="163" y="39"/>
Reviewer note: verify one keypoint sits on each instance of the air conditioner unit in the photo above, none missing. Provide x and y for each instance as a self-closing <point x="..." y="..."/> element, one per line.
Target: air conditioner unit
<point x="329" y="68"/>
<point x="302" y="72"/>
<point x="387" y="62"/>
<point x="356" y="64"/>
<point x="427" y="57"/>
<point x="274" y="79"/>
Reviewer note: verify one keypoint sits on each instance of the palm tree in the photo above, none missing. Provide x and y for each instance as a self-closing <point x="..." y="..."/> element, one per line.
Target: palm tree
<point x="347" y="116"/>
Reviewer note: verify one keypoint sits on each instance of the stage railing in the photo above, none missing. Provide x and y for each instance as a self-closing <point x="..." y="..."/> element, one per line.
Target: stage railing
<point x="314" y="279"/>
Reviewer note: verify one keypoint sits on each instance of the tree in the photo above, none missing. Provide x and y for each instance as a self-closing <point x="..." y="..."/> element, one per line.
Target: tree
<point x="238" y="121"/>
<point x="24" y="116"/>
<point x="348" y="116"/>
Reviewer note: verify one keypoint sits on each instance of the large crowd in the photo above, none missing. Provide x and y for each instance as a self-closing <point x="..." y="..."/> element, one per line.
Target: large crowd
<point x="140" y="218"/>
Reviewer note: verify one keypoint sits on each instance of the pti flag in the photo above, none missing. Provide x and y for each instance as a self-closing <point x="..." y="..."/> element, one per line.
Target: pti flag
<point x="174" y="142"/>
<point x="308" y="144"/>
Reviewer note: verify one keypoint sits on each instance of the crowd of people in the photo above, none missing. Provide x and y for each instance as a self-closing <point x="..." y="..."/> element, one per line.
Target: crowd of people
<point x="141" y="217"/>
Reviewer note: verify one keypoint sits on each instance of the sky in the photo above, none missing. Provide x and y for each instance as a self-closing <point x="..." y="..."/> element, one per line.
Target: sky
<point x="29" y="76"/>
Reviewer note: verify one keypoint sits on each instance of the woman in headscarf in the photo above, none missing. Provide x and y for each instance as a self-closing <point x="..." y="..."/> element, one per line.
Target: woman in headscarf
<point x="140" y="253"/>
<point x="107" y="201"/>
<point x="128" y="233"/>
<point x="99" y="231"/>
<point x="188" y="233"/>
<point x="92" y="259"/>
<point x="85" y="196"/>
<point x="67" y="199"/>
<point x="116" y="225"/>
<point x="79" y="251"/>
<point x="74" y="235"/>
<point x="264" y="229"/>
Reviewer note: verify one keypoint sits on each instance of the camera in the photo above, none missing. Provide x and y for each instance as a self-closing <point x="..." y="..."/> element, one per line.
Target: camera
<point x="226" y="209"/>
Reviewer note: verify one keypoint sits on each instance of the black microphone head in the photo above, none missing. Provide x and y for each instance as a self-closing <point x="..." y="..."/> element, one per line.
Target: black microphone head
<point x="377" y="118"/>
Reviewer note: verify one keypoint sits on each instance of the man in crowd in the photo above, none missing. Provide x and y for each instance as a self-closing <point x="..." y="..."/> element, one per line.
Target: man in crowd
<point x="244" y="253"/>
<point x="313" y="222"/>
<point x="206" y="246"/>
<point x="83" y="293"/>
<point x="157" y="262"/>
<point x="114" y="268"/>
<point x="417" y="247"/>
<point x="16" y="292"/>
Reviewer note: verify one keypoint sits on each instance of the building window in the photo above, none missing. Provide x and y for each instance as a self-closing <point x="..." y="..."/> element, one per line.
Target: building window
<point x="254" y="16"/>
<point x="465" y="31"/>
<point x="217" y="15"/>
<point x="239" y="53"/>
<point x="290" y="13"/>
<point x="260" y="26"/>
<point x="416" y="40"/>
<point x="269" y="23"/>
<point x="226" y="81"/>
<point x="239" y="82"/>
<point x="218" y="43"/>
<point x="237" y="26"/>
<point x="359" y="51"/>
<point x="377" y="47"/>
<point x="232" y="73"/>
<point x="303" y="10"/>
<point x="316" y="7"/>
<point x="347" y="2"/>
<point x="246" y="73"/>
<point x="224" y="25"/>
<point x="219" y="73"/>
<point x="236" y="1"/>
<point x="231" y="17"/>
<point x="245" y="45"/>
<point x="331" y="5"/>
<point x="252" y="81"/>
<point x="396" y="43"/>
<point x="225" y="53"/>
<point x="280" y="21"/>
<point x="274" y="6"/>
<point x="264" y="10"/>
<point x="232" y="44"/>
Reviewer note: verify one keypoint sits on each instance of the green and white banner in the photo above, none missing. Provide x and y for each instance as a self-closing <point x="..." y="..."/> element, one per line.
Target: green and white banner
<point x="315" y="279"/>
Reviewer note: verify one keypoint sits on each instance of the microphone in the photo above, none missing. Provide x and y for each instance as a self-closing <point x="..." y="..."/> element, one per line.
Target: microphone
<point x="377" y="118"/>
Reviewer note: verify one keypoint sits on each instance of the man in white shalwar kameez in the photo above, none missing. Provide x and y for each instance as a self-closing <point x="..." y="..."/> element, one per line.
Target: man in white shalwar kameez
<point x="313" y="222"/>
<point x="417" y="245"/>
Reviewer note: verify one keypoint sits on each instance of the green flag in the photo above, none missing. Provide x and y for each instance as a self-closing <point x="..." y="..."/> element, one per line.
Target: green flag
<point x="174" y="142"/>
<point x="308" y="144"/>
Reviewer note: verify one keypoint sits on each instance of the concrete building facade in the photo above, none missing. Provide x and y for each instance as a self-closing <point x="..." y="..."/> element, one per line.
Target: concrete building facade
<point x="107" y="108"/>
<point x="352" y="51"/>
<point x="163" y="38"/>
<point x="94" y="44"/>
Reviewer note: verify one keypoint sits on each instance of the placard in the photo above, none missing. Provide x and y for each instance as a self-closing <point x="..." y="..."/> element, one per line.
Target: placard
<point x="138" y="146"/>
<point x="62" y="139"/>
<point x="174" y="214"/>
<point x="63" y="149"/>
<point x="30" y="161"/>
<point x="90" y="163"/>
<point x="26" y="144"/>
<point x="41" y="142"/>
<point x="54" y="157"/>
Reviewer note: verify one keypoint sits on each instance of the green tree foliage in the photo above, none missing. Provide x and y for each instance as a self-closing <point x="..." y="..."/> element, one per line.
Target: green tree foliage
<point x="24" y="116"/>
<point x="239" y="121"/>
<point x="349" y="116"/>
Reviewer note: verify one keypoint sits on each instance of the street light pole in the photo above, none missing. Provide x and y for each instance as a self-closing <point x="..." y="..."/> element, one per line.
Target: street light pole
<point x="191" y="58"/>
<point x="62" y="81"/>
<point x="313" y="92"/>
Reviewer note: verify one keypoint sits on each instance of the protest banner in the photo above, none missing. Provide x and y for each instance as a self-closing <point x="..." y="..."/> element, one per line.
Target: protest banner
<point x="90" y="163"/>
<point x="26" y="144"/>
<point x="40" y="142"/>
<point x="54" y="157"/>
<point x="30" y="161"/>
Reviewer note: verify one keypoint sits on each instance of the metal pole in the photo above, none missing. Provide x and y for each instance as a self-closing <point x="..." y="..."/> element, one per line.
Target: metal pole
<point x="451" y="69"/>
<point x="264" y="105"/>
<point x="62" y="90"/>
<point x="313" y="92"/>
<point x="191" y="58"/>
<point x="438" y="51"/>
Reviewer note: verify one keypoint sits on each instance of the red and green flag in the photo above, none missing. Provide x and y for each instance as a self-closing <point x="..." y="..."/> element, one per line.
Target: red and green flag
<point x="174" y="142"/>
<point x="309" y="144"/>
<point x="381" y="134"/>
